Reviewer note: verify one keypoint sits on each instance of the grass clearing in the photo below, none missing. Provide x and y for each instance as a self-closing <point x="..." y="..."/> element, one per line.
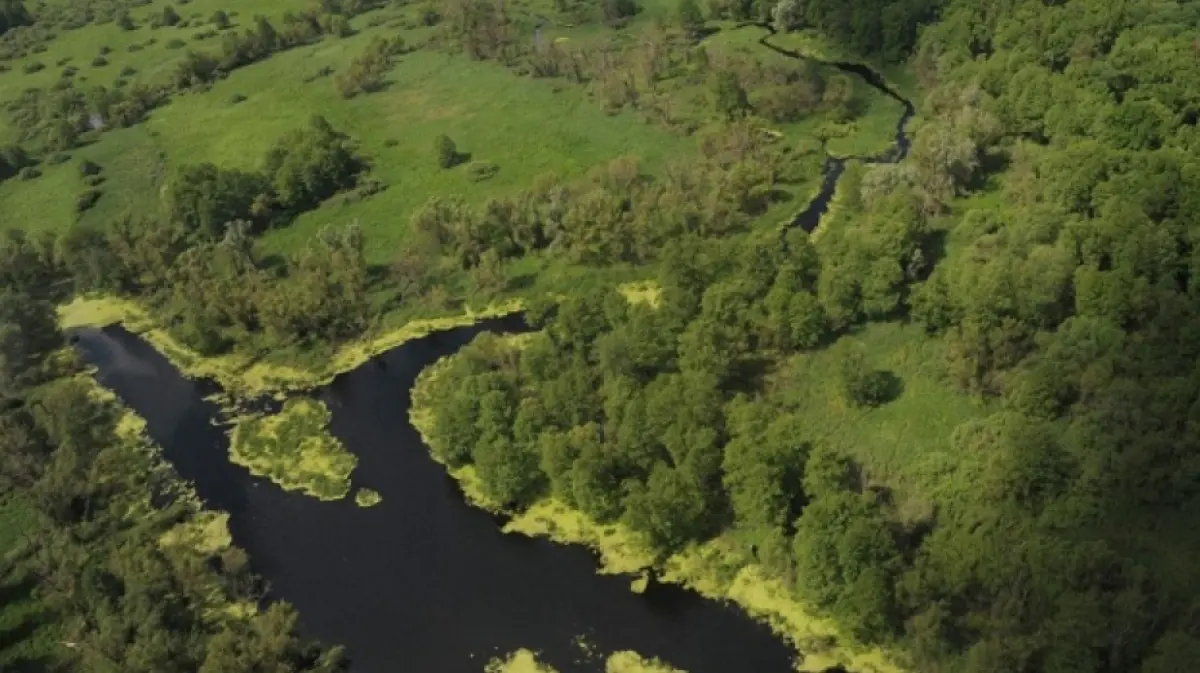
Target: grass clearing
<point x="294" y="449"/>
<point x="522" y="125"/>
<point x="904" y="443"/>
<point x="132" y="166"/>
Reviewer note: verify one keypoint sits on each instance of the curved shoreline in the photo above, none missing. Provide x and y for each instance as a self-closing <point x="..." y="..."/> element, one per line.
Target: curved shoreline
<point x="701" y="568"/>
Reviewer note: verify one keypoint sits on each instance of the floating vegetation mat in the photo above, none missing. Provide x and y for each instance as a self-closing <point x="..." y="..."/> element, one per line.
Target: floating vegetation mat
<point x="525" y="661"/>
<point x="295" y="450"/>
<point x="365" y="497"/>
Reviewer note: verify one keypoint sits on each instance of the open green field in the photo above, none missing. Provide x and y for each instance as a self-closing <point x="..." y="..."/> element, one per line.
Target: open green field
<point x="527" y="127"/>
<point x="520" y="124"/>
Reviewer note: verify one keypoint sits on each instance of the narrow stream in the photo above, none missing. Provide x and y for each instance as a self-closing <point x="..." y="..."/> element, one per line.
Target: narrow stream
<point x="423" y="582"/>
<point x="810" y="217"/>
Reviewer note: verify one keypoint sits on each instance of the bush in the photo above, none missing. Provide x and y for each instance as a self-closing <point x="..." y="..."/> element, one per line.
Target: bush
<point x="220" y="19"/>
<point x="169" y="16"/>
<point x="133" y="48"/>
<point x="445" y="150"/>
<point x="126" y="22"/>
<point x="236" y="98"/>
<point x="86" y="200"/>
<point x="478" y="171"/>
<point x="99" y="62"/>
<point x="93" y="180"/>
<point x="88" y="167"/>
<point x="69" y="71"/>
<point x="105" y="50"/>
<point x="864" y="387"/>
<point x="175" y="43"/>
<point x="391" y="142"/>
<point x="32" y="67"/>
<point x="29" y="173"/>
<point x="128" y="71"/>
<point x="58" y="158"/>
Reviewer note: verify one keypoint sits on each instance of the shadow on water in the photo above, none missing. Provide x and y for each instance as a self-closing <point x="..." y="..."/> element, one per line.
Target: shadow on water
<point x="422" y="581"/>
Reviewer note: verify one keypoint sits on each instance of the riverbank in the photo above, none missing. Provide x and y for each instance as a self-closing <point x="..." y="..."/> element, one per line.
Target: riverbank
<point x="711" y="569"/>
<point x="204" y="532"/>
<point x="247" y="375"/>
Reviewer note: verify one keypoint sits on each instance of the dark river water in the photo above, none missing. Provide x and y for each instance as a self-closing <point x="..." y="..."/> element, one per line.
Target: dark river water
<point x="423" y="582"/>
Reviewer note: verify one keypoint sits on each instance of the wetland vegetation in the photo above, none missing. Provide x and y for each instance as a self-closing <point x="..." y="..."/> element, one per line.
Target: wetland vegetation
<point x="294" y="449"/>
<point x="947" y="423"/>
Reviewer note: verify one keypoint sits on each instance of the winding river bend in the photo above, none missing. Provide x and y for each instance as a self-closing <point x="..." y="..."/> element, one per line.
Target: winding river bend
<point x="423" y="582"/>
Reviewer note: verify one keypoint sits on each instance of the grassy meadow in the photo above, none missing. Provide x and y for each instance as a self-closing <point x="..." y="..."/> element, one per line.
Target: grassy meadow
<point x="527" y="127"/>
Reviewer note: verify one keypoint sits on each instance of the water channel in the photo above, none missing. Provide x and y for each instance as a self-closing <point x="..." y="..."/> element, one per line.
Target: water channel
<point x="423" y="582"/>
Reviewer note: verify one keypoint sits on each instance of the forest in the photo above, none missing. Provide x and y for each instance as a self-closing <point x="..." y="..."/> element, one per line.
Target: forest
<point x="1029" y="268"/>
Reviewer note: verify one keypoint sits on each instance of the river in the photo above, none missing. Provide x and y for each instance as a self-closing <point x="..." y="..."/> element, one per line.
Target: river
<point x="423" y="582"/>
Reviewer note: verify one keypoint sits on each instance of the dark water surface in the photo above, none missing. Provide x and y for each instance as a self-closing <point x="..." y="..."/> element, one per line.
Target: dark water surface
<point x="423" y="582"/>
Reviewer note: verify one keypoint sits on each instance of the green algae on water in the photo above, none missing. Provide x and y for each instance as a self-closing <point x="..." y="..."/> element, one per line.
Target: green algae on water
<point x="640" y="583"/>
<point x="245" y="374"/>
<point x="365" y="497"/>
<point x="526" y="661"/>
<point x="294" y="449"/>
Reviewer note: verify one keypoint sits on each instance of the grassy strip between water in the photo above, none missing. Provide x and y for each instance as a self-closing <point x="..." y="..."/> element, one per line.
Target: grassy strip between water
<point x="294" y="449"/>
<point x="245" y="375"/>
<point x="525" y="661"/>
<point x="712" y="569"/>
